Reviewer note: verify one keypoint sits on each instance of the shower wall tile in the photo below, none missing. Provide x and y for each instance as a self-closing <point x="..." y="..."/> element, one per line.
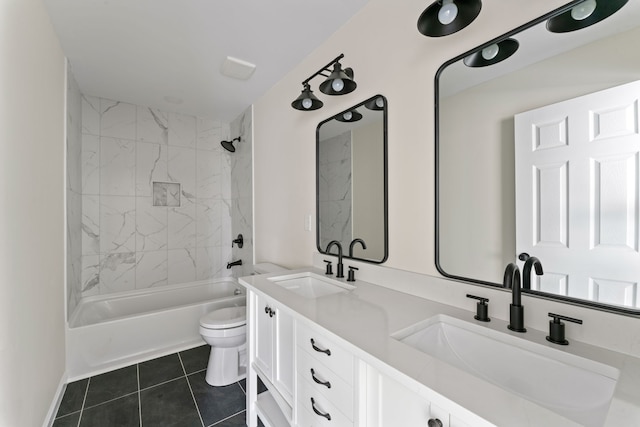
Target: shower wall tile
<point x="90" y="164"/>
<point x="182" y="130"/>
<point x="151" y="269"/>
<point x="151" y="225"/>
<point x="117" y="167"/>
<point x="90" y="224"/>
<point x="90" y="276"/>
<point x="117" y="224"/>
<point x="227" y="232"/>
<point x="152" y="125"/>
<point x="210" y="133"/>
<point x="117" y="119"/>
<point x="182" y="226"/>
<point x="151" y="165"/>
<point x="225" y="173"/>
<point x="208" y="174"/>
<point x="182" y="168"/>
<point x="208" y="263"/>
<point x="181" y="266"/>
<point x="209" y="223"/>
<point x="90" y="115"/>
<point x="118" y="272"/>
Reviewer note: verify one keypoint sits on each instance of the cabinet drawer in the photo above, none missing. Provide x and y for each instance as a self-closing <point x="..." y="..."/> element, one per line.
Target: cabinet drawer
<point x="307" y="417"/>
<point x="336" y="390"/>
<point x="326" y="352"/>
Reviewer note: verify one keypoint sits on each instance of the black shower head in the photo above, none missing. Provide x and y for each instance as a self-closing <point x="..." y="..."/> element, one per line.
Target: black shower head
<point x="228" y="145"/>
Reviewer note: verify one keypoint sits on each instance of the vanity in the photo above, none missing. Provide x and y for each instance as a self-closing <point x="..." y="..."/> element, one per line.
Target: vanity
<point x="335" y="353"/>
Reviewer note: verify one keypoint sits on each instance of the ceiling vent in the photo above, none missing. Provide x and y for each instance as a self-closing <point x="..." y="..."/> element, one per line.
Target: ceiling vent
<point x="237" y="68"/>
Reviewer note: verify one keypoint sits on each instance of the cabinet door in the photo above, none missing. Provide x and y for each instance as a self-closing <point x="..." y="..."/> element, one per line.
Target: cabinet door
<point x="264" y="336"/>
<point x="283" y="369"/>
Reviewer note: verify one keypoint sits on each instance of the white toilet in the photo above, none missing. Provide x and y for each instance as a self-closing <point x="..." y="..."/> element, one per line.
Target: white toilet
<point x="225" y="330"/>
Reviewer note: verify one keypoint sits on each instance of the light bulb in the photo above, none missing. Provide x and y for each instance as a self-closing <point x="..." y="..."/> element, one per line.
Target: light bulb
<point x="348" y="115"/>
<point x="337" y="85"/>
<point x="379" y="102"/>
<point x="307" y="103"/>
<point x="448" y="12"/>
<point x="490" y="52"/>
<point x="583" y="10"/>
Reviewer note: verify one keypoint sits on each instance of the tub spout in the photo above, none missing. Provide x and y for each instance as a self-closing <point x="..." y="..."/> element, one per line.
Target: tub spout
<point x="234" y="263"/>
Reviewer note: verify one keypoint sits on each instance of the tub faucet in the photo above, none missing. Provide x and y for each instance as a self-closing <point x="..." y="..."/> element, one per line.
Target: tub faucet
<point x="340" y="272"/>
<point x="526" y="271"/>
<point x="353" y="243"/>
<point x="516" y="310"/>
<point x="234" y="263"/>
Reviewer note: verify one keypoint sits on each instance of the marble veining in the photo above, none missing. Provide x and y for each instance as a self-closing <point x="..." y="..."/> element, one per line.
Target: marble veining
<point x="125" y="242"/>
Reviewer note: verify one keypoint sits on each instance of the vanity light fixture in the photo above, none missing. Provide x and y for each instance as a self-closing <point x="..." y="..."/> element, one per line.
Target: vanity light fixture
<point x="445" y="17"/>
<point x="376" y="104"/>
<point x="492" y="54"/>
<point x="349" y="116"/>
<point x="339" y="82"/>
<point x="583" y="15"/>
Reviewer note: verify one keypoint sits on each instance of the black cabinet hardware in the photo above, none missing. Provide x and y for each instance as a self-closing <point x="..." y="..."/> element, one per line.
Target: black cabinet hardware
<point x="318" y="349"/>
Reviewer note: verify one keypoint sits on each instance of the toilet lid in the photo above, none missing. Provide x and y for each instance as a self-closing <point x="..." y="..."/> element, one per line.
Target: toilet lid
<point x="223" y="318"/>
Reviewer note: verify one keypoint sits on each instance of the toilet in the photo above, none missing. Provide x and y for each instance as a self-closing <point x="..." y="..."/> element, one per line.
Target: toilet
<point x="225" y="330"/>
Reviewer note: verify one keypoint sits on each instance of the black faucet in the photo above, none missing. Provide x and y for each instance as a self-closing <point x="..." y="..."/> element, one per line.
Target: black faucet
<point x="234" y="263"/>
<point x="516" y="310"/>
<point x="353" y="242"/>
<point x="340" y="272"/>
<point x="526" y="271"/>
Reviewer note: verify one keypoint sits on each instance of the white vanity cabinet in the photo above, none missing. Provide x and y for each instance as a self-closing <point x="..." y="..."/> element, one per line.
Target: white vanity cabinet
<point x="326" y="378"/>
<point x="392" y="403"/>
<point x="271" y="356"/>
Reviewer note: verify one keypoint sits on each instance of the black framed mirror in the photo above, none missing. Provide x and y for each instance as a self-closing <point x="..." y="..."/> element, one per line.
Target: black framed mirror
<point x="351" y="182"/>
<point x="492" y="206"/>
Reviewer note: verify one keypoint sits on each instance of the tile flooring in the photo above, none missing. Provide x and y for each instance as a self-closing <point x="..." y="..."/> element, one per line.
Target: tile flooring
<point x="168" y="391"/>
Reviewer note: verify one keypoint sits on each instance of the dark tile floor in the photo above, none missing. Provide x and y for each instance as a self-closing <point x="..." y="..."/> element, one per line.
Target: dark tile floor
<point x="168" y="391"/>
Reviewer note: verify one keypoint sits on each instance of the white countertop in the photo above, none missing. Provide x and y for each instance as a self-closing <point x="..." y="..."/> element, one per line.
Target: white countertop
<point x="365" y="318"/>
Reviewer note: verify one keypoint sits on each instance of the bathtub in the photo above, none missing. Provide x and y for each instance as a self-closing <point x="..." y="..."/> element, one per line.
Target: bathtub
<point x="113" y="331"/>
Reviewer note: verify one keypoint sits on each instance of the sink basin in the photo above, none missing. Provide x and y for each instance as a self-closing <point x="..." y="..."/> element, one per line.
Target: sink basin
<point x="574" y="387"/>
<point x="310" y="285"/>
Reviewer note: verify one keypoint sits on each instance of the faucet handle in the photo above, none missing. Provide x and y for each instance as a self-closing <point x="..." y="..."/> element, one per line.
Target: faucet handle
<point x="556" y="328"/>
<point x="329" y="270"/>
<point x="482" y="309"/>
<point x="351" y="277"/>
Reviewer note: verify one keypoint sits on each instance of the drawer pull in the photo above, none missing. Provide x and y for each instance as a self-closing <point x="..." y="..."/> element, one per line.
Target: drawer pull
<point x="434" y="422"/>
<point x="318" y="349"/>
<point x="313" y="406"/>
<point x="324" y="383"/>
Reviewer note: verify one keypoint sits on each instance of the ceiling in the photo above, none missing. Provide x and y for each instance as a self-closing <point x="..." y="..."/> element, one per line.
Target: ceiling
<point x="147" y="51"/>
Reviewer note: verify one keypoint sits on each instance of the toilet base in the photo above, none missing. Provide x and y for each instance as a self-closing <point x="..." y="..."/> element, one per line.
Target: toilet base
<point x="226" y="366"/>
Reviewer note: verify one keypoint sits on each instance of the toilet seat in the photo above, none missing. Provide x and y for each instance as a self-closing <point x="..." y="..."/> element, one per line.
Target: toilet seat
<point x="225" y="318"/>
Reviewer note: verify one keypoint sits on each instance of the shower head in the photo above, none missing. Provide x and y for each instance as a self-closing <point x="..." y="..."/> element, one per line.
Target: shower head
<point x="228" y="145"/>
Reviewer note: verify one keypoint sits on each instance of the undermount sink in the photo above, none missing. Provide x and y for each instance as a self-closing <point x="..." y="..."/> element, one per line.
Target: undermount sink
<point x="310" y="285"/>
<point x="574" y="387"/>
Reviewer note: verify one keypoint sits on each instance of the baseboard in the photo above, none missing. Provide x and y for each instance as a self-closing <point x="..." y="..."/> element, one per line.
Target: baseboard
<point x="55" y="403"/>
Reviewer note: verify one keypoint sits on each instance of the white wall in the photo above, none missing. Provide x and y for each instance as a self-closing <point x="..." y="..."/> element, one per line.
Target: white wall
<point x="32" y="340"/>
<point x="389" y="57"/>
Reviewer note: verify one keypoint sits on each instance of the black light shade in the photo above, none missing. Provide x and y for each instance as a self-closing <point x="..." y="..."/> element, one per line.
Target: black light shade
<point x="376" y="104"/>
<point x="430" y="25"/>
<point x="339" y="81"/>
<point x="307" y="101"/>
<point x="492" y="54"/>
<point x="569" y="21"/>
<point x="349" y="116"/>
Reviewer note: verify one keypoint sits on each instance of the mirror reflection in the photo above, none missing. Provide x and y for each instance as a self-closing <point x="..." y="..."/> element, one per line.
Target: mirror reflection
<point x="538" y="154"/>
<point x="351" y="180"/>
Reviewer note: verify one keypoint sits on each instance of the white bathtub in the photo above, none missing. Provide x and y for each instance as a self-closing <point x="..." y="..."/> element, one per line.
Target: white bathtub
<point x="112" y="331"/>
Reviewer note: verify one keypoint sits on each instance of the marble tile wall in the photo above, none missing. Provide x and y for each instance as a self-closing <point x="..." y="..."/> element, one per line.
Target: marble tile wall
<point x="241" y="174"/>
<point x="127" y="242"/>
<point x="74" y="191"/>
<point x="335" y="189"/>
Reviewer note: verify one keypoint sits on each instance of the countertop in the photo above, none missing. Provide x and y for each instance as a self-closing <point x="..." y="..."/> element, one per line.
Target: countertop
<point x="364" y="319"/>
